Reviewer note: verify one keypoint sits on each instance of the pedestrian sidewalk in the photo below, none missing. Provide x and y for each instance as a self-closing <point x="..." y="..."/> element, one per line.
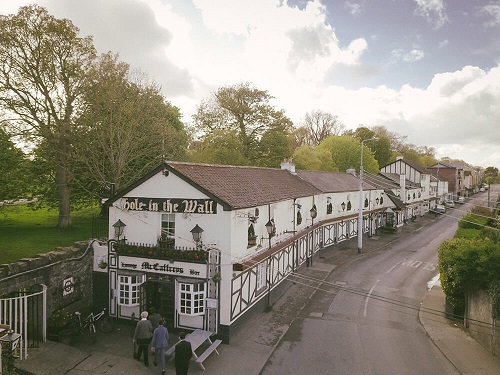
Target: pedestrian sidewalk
<point x="465" y="353"/>
<point x="252" y="346"/>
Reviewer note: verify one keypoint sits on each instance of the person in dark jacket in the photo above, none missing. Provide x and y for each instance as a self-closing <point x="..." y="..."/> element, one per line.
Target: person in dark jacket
<point x="154" y="317"/>
<point x="183" y="354"/>
<point x="142" y="336"/>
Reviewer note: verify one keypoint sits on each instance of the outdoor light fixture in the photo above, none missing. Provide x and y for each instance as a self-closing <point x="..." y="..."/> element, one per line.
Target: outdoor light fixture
<point x="343" y="206"/>
<point x="360" y="206"/>
<point x="271" y="229"/>
<point x="119" y="226"/>
<point x="313" y="212"/>
<point x="377" y="200"/>
<point x="196" y="232"/>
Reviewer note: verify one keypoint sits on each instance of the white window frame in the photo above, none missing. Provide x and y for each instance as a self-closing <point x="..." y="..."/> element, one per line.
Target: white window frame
<point x="191" y="298"/>
<point x="129" y="289"/>
<point x="167" y="230"/>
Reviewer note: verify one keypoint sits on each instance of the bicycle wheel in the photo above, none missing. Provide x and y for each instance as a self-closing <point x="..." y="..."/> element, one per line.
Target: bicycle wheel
<point x="106" y="324"/>
<point x="92" y="332"/>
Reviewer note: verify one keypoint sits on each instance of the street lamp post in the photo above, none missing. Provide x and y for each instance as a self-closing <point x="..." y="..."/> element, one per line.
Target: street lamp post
<point x="360" y="208"/>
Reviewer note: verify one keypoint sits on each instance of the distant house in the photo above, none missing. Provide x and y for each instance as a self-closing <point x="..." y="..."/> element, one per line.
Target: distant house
<point x="207" y="244"/>
<point x="462" y="179"/>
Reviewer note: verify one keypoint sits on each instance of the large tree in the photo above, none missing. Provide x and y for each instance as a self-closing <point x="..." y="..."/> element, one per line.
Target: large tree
<point x="345" y="153"/>
<point x="43" y="73"/>
<point x="127" y="128"/>
<point x="14" y="170"/>
<point x="245" y="111"/>
<point x="319" y="125"/>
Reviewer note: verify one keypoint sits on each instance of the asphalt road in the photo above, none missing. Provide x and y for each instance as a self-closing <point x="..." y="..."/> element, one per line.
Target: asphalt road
<point x="364" y="319"/>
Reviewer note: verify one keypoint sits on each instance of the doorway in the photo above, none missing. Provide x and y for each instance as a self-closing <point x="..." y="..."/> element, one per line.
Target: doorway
<point x="160" y="293"/>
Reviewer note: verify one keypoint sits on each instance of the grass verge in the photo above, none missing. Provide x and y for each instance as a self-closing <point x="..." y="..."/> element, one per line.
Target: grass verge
<point x="26" y="232"/>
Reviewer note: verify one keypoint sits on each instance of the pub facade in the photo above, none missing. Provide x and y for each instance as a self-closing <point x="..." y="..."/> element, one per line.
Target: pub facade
<point x="206" y="244"/>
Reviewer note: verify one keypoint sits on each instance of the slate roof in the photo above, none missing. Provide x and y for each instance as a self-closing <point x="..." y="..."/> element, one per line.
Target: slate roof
<point x="400" y="205"/>
<point x="244" y="186"/>
<point x="332" y="182"/>
<point x="380" y="182"/>
<point x="396" y="178"/>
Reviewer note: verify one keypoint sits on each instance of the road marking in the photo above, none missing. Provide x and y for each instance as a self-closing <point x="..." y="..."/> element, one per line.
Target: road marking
<point x="368" y="297"/>
<point x="433" y="281"/>
<point x="397" y="264"/>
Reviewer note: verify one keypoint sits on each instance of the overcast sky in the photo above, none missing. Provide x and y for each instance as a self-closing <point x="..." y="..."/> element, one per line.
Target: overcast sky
<point x="426" y="69"/>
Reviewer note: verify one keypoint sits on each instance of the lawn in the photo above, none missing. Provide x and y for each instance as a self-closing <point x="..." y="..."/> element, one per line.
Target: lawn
<point x="26" y="232"/>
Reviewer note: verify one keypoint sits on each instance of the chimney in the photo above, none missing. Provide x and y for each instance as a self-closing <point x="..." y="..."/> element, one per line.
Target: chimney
<point x="351" y="171"/>
<point x="402" y="185"/>
<point x="288" y="165"/>
<point x="399" y="158"/>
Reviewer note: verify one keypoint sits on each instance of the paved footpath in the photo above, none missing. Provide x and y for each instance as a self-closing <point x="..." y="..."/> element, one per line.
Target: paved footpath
<point x="252" y="346"/>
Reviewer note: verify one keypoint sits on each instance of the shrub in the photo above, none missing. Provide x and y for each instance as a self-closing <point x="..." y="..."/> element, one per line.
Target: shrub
<point x="466" y="265"/>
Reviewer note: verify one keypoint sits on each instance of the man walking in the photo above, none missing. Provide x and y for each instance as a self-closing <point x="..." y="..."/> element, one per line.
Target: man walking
<point x="183" y="354"/>
<point x="159" y="344"/>
<point x="142" y="336"/>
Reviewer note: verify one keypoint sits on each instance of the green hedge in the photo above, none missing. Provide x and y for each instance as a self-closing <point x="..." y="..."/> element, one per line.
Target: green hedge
<point x="466" y="265"/>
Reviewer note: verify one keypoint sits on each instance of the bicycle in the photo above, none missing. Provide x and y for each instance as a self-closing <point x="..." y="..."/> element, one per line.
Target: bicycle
<point x="104" y="322"/>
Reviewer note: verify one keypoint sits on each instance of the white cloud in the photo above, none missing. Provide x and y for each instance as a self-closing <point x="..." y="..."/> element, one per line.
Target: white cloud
<point x="354" y="8"/>
<point x="433" y="11"/>
<point x="193" y="48"/>
<point x="492" y="12"/>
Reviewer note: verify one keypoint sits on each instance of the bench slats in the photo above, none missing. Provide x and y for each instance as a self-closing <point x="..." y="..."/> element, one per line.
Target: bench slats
<point x="207" y="352"/>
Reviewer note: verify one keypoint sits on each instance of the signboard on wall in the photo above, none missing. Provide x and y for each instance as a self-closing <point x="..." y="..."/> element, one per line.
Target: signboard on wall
<point x="169" y="205"/>
<point x="164" y="267"/>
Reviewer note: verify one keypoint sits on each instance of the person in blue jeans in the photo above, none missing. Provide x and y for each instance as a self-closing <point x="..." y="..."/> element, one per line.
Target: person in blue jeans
<point x="159" y="344"/>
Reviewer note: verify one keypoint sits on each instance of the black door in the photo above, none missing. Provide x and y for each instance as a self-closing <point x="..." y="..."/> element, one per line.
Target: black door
<point x="161" y="295"/>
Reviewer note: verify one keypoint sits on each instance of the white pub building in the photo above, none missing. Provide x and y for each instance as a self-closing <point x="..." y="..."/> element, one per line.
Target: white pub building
<point x="207" y="244"/>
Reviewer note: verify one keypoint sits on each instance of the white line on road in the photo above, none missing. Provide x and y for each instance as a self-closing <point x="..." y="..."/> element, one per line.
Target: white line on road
<point x="368" y="297"/>
<point x="433" y="281"/>
<point x="397" y="264"/>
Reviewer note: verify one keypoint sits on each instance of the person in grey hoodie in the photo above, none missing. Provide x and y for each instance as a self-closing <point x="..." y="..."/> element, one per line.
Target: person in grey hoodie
<point x="142" y="336"/>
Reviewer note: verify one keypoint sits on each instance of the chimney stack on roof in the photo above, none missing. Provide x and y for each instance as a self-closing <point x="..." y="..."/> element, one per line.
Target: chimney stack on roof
<point x="288" y="165"/>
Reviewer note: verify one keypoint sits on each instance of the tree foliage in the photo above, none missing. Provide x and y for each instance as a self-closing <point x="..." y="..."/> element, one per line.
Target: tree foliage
<point x="246" y="112"/>
<point x="126" y="130"/>
<point x="318" y="125"/>
<point x="345" y="153"/>
<point x="14" y="170"/>
<point x="42" y="79"/>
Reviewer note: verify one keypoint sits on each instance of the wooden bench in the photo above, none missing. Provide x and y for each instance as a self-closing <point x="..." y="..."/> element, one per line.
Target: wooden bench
<point x="170" y="353"/>
<point x="212" y="348"/>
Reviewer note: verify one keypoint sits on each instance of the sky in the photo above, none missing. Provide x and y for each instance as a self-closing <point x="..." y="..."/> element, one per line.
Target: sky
<point x="428" y="70"/>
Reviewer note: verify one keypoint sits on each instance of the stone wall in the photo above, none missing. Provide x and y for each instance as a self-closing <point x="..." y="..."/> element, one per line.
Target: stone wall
<point x="67" y="273"/>
<point x="482" y="327"/>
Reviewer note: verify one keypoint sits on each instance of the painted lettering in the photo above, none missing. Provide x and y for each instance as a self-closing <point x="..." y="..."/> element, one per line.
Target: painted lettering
<point x="168" y="205"/>
<point x="193" y="272"/>
<point x="153" y="206"/>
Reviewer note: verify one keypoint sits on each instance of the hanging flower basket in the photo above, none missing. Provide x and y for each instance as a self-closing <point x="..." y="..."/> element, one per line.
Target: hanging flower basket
<point x="102" y="265"/>
<point x="196" y="256"/>
<point x="216" y="278"/>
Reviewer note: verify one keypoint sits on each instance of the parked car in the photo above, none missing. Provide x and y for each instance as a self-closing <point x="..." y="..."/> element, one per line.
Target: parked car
<point x="482" y="190"/>
<point x="440" y="209"/>
<point x="461" y="200"/>
<point x="449" y="203"/>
